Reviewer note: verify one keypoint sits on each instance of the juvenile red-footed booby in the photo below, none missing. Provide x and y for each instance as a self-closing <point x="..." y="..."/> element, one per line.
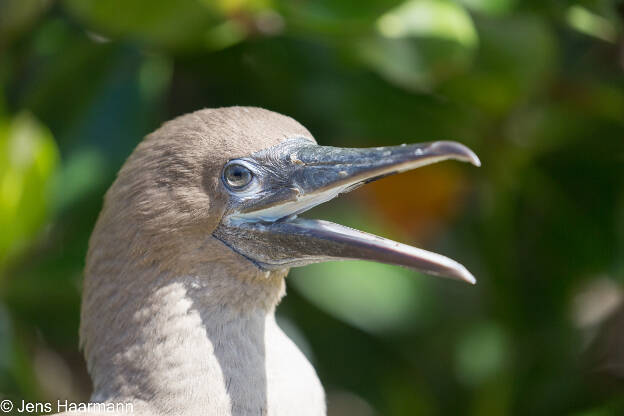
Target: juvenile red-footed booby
<point x="188" y="258"/>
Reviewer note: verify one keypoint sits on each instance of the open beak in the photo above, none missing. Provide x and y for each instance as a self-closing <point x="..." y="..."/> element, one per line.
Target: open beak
<point x="296" y="175"/>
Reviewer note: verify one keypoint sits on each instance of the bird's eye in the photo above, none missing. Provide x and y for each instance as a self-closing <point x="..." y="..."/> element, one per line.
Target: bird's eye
<point x="237" y="176"/>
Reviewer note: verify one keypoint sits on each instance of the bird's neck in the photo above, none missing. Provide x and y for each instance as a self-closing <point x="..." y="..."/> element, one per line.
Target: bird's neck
<point x="180" y="344"/>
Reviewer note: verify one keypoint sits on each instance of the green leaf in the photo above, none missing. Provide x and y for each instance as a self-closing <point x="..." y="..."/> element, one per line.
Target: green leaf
<point x="371" y="296"/>
<point x="429" y="18"/>
<point x="28" y="158"/>
<point x="173" y="24"/>
<point x="421" y="43"/>
<point x="591" y="24"/>
<point x="490" y="7"/>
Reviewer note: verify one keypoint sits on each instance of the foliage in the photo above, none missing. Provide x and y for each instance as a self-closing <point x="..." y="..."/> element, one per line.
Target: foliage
<point x="534" y="87"/>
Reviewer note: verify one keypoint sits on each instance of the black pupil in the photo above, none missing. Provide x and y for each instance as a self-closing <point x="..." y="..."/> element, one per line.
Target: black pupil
<point x="237" y="176"/>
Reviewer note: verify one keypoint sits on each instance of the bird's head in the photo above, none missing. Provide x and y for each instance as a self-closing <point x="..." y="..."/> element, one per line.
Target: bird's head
<point x="228" y="184"/>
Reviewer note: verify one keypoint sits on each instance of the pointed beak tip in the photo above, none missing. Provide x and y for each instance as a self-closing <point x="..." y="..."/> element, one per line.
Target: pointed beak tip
<point x="468" y="277"/>
<point x="474" y="159"/>
<point x="461" y="273"/>
<point x="457" y="151"/>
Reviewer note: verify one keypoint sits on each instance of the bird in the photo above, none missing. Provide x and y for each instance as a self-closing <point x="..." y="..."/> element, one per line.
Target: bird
<point x="188" y="258"/>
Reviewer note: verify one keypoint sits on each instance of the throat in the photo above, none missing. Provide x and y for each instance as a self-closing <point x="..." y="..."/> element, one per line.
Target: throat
<point x="181" y="345"/>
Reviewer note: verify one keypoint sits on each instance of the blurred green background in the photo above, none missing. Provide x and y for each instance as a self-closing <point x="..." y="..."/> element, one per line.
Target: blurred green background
<point x="535" y="87"/>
